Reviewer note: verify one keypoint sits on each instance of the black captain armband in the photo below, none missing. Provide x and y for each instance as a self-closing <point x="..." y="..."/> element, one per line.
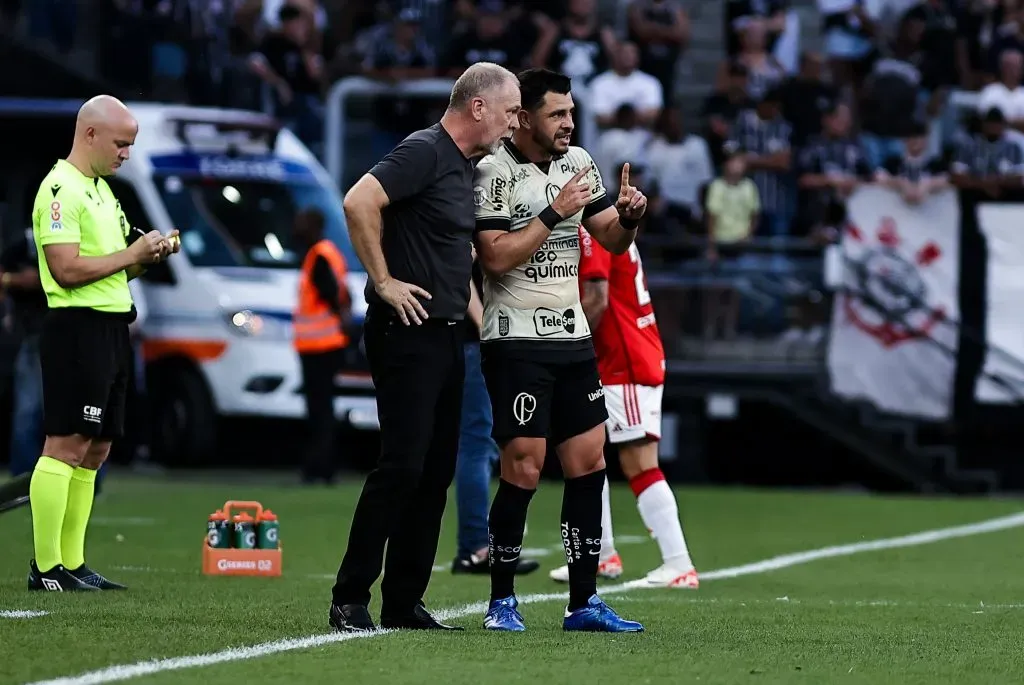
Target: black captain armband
<point x="549" y="217"/>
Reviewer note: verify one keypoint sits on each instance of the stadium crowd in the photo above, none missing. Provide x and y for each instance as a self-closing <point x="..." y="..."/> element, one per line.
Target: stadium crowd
<point x="874" y="99"/>
<point x="797" y="116"/>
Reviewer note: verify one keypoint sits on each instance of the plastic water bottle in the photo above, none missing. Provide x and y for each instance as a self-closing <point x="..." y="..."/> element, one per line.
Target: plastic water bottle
<point x="245" y="531"/>
<point x="267" y="530"/>
<point x="218" y="533"/>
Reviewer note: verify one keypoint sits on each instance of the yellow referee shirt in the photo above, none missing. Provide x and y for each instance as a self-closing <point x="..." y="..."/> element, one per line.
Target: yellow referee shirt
<point x="70" y="207"/>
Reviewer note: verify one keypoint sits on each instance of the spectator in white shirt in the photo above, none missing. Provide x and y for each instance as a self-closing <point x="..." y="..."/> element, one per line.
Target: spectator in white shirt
<point x="626" y="141"/>
<point x="1006" y="94"/>
<point x="626" y="85"/>
<point x="680" y="166"/>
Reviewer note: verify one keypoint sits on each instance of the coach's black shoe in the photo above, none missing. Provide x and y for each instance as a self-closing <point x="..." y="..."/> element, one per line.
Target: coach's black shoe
<point x="90" y="577"/>
<point x="477" y="565"/>
<point x="350" y="618"/>
<point x="419" y="619"/>
<point x="57" y="579"/>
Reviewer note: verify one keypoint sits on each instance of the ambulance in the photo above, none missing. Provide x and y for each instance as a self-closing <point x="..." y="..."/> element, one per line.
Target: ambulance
<point x="218" y="332"/>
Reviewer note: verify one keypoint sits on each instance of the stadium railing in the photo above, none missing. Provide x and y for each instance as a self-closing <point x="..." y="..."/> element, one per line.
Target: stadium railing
<point x="783" y="312"/>
<point x="350" y="129"/>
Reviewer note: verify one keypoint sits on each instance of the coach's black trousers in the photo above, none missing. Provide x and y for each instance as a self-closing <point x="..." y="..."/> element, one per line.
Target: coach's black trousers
<point x="418" y="373"/>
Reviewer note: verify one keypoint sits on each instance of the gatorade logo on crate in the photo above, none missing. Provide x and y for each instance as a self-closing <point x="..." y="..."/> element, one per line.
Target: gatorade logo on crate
<point x="238" y="543"/>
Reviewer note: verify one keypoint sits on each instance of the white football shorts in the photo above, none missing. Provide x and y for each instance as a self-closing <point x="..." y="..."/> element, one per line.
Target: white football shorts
<point x="634" y="412"/>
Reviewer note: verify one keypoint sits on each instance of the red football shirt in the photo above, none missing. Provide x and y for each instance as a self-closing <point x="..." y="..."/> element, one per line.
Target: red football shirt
<point x="627" y="342"/>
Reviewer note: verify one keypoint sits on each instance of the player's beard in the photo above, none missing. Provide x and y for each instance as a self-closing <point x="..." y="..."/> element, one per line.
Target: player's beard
<point x="549" y="145"/>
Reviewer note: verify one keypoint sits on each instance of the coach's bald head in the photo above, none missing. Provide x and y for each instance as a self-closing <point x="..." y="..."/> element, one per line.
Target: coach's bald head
<point x="104" y="133"/>
<point x="486" y="98"/>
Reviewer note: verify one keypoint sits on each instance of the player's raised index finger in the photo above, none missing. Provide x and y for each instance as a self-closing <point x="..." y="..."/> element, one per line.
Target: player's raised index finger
<point x="625" y="174"/>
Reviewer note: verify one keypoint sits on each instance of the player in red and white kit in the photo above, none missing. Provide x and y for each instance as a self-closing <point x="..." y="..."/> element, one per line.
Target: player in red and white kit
<point x="631" y="361"/>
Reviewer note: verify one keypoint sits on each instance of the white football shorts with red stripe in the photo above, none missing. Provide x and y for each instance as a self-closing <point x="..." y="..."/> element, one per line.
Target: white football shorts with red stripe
<point x="634" y="412"/>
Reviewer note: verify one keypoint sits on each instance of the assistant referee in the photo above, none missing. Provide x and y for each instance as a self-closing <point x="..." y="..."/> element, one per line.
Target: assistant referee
<point x="87" y="253"/>
<point x="411" y="219"/>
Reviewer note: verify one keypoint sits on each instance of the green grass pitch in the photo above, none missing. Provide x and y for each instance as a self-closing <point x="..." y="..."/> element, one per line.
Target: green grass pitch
<point x="948" y="611"/>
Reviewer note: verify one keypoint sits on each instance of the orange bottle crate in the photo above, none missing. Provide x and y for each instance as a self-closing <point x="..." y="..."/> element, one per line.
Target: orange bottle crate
<point x="241" y="562"/>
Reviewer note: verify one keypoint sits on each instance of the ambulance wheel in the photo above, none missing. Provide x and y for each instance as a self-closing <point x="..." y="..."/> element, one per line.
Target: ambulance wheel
<point x="184" y="418"/>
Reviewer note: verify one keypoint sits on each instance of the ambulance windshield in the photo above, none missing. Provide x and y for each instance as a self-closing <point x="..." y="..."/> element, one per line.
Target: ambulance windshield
<point x="247" y="222"/>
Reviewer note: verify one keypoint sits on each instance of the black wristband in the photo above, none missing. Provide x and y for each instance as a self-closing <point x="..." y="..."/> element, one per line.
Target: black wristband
<point x="549" y="217"/>
<point x="628" y="224"/>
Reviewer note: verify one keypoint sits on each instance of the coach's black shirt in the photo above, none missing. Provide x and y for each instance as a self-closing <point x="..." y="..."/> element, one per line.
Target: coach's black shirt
<point x="428" y="225"/>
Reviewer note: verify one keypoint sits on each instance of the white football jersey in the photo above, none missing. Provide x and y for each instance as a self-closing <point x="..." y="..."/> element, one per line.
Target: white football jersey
<point x="539" y="300"/>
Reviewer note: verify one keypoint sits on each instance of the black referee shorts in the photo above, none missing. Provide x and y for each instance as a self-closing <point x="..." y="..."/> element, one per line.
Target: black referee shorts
<point x="532" y="399"/>
<point x="86" y="362"/>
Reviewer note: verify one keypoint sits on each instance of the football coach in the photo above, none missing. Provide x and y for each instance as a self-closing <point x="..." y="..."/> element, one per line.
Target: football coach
<point x="411" y="220"/>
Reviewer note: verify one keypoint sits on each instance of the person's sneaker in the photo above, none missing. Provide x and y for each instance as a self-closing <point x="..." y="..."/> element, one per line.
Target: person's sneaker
<point x="668" y="576"/>
<point x="608" y="569"/>
<point x="57" y="579"/>
<point x="350" y="618"/>
<point x="90" y="577"/>
<point x="477" y="565"/>
<point x="503" y="614"/>
<point x="598" y="617"/>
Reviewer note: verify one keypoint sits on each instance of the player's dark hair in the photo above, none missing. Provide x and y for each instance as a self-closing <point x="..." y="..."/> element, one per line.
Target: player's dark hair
<point x="534" y="84"/>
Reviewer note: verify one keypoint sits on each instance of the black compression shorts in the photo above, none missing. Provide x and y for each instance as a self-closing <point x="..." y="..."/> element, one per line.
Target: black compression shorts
<point x="86" y="361"/>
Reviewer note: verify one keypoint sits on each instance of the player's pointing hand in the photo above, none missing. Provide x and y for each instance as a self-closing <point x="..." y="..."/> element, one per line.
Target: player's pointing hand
<point x="575" y="195"/>
<point x="403" y="297"/>
<point x="632" y="203"/>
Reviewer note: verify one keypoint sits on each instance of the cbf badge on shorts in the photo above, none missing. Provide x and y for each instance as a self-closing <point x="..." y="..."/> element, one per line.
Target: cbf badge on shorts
<point x="523" y="407"/>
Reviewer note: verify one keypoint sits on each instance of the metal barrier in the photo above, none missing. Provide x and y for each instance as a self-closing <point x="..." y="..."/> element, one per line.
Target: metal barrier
<point x="336" y="125"/>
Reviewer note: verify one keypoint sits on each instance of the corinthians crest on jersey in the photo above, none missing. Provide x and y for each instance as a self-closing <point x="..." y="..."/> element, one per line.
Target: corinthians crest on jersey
<point x="537" y="302"/>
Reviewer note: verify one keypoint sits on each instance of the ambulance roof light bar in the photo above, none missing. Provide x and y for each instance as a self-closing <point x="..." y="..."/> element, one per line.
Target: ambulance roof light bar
<point x="253" y="124"/>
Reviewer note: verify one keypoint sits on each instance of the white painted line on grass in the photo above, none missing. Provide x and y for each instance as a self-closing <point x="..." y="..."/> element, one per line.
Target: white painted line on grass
<point x="22" y="613"/>
<point x="128" y="671"/>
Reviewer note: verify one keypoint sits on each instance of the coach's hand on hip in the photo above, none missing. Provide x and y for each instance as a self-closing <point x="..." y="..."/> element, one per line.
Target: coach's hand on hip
<point x="631" y="204"/>
<point x="402" y="296"/>
<point x="575" y="194"/>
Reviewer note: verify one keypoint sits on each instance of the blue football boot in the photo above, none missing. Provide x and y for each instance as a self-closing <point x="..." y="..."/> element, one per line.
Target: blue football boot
<point x="504" y="615"/>
<point x="598" y="617"/>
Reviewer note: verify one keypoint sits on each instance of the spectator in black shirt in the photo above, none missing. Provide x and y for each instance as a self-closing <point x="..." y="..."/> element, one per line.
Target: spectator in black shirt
<point x="739" y="12"/>
<point x="411" y="219"/>
<point x="830" y="168"/>
<point x="891" y="96"/>
<point x="1010" y="37"/>
<point x="662" y="29"/>
<point x="19" y="278"/>
<point x="990" y="160"/>
<point x="581" y="47"/>
<point x="287" y="62"/>
<point x="915" y="174"/>
<point x="806" y="97"/>
<point x="401" y="54"/>
<point x="488" y="41"/>
<point x="721" y="109"/>
<point x="939" y="35"/>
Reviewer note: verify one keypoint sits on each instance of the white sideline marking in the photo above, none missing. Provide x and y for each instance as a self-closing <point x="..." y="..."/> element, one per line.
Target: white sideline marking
<point x="22" y="613"/>
<point x="129" y="671"/>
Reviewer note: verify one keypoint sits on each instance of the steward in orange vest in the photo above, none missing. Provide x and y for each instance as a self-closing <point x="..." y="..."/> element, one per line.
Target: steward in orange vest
<point x="319" y="338"/>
